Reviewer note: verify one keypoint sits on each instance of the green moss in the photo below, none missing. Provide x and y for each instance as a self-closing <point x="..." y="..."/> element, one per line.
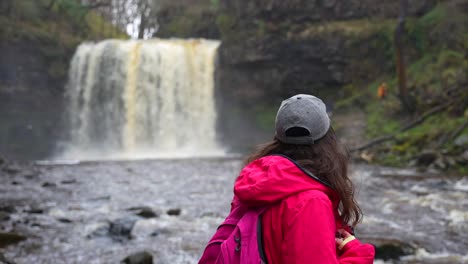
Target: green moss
<point x="55" y="31"/>
<point x="226" y="23"/>
<point x="261" y="27"/>
<point x="354" y="29"/>
<point x="433" y="17"/>
<point x="97" y="26"/>
<point x="379" y="123"/>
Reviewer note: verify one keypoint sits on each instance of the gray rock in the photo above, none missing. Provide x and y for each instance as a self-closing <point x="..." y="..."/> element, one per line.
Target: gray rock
<point x="100" y="231"/>
<point x="7" y="208"/>
<point x="11" y="169"/>
<point x="143" y="257"/>
<point x="65" y="220"/>
<point x="174" y="211"/>
<point x="34" y="210"/>
<point x="144" y="211"/>
<point x="426" y="158"/>
<point x="121" y="228"/>
<point x="49" y="185"/>
<point x="4" y="216"/>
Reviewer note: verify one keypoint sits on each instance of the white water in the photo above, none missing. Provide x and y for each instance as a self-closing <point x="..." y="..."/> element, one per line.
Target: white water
<point x="141" y="99"/>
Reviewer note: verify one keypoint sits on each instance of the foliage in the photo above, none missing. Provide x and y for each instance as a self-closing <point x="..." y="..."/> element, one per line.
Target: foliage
<point x="225" y="23"/>
<point x="55" y="28"/>
<point x="437" y="72"/>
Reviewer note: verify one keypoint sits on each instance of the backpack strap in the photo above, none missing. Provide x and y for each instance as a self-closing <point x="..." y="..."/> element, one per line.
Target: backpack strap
<point x="261" y="249"/>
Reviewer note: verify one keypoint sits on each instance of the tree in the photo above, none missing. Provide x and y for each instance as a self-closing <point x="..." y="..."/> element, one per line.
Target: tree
<point x="400" y="59"/>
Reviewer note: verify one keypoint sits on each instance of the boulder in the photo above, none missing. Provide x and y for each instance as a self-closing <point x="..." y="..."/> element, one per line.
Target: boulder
<point x="174" y="211"/>
<point x="144" y="211"/>
<point x="390" y="249"/>
<point x="426" y="158"/>
<point x="143" y="257"/>
<point x="121" y="228"/>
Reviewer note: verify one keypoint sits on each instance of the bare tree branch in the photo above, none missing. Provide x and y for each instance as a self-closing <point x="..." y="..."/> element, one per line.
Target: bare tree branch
<point x="410" y="125"/>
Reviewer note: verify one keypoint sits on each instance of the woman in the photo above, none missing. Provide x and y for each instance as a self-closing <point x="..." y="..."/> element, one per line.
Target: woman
<point x="301" y="178"/>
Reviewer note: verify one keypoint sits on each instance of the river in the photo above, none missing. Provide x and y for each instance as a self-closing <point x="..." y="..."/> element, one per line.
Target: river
<point x="66" y="211"/>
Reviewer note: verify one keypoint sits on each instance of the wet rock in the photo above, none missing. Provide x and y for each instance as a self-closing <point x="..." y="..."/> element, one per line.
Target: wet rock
<point x="30" y="176"/>
<point x="389" y="249"/>
<point x="11" y="169"/>
<point x="7" y="239"/>
<point x="426" y="158"/>
<point x="69" y="181"/>
<point x="64" y="220"/>
<point x="34" y="210"/>
<point x="49" y="185"/>
<point x="174" y="211"/>
<point x="4" y="216"/>
<point x="100" y="231"/>
<point x="143" y="257"/>
<point x="121" y="228"/>
<point x="144" y="211"/>
<point x="7" y="208"/>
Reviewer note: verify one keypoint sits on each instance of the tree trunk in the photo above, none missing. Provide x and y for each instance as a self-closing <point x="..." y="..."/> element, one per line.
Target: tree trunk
<point x="400" y="59"/>
<point x="142" y="8"/>
<point x="51" y="4"/>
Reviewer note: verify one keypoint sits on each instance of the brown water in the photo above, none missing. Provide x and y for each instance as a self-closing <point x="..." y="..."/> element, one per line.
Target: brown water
<point x="62" y="209"/>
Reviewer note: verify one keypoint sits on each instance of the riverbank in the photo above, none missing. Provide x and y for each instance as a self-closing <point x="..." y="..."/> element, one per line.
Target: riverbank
<point x="427" y="127"/>
<point x="101" y="212"/>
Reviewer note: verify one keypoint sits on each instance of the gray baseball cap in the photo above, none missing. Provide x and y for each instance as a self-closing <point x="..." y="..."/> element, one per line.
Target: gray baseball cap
<point x="301" y="120"/>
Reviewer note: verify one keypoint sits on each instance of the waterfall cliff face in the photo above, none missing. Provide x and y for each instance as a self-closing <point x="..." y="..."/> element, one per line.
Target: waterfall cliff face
<point x="129" y="99"/>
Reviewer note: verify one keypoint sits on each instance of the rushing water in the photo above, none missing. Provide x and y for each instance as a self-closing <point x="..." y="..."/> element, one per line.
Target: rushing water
<point x="63" y="209"/>
<point x="142" y="99"/>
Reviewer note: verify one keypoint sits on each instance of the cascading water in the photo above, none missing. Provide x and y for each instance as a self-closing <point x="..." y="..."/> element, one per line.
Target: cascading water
<point x="131" y="99"/>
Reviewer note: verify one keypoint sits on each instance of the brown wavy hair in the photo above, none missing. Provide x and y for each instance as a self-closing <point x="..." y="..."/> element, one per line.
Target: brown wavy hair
<point x="326" y="159"/>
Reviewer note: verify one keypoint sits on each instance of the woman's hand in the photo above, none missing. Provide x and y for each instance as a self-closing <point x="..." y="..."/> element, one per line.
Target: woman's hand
<point x="343" y="237"/>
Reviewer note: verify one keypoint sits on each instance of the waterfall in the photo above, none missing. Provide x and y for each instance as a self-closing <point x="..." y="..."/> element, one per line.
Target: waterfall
<point x="130" y="99"/>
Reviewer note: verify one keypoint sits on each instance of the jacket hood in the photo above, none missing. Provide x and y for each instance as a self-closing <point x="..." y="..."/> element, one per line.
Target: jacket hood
<point x="271" y="179"/>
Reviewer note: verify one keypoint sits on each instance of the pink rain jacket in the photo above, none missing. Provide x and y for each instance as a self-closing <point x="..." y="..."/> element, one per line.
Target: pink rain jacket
<point x="302" y="218"/>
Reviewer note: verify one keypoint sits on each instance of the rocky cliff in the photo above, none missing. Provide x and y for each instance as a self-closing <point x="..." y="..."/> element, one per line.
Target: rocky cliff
<point x="274" y="49"/>
<point x="36" y="46"/>
<point x="30" y="101"/>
